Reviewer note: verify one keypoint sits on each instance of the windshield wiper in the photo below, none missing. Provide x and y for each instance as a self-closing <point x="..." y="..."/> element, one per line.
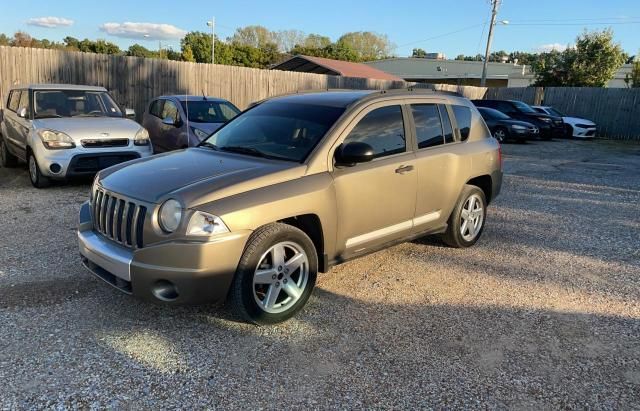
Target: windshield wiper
<point x="250" y="151"/>
<point x="208" y="145"/>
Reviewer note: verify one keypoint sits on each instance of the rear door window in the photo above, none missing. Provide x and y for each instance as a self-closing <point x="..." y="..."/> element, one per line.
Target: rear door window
<point x="428" y="125"/>
<point x="463" y="120"/>
<point x="383" y="130"/>
<point x="14" y="100"/>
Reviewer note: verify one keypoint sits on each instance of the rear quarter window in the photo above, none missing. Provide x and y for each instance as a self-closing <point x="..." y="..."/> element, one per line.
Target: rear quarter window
<point x="463" y="120"/>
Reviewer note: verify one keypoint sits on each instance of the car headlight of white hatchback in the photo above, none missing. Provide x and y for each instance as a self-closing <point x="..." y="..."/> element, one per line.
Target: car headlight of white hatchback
<point x="141" y="138"/>
<point x="55" y="140"/>
<point x="170" y="215"/>
<point x="205" y="224"/>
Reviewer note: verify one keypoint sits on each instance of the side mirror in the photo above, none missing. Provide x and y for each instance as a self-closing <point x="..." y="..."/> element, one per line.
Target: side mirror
<point x="169" y="121"/>
<point x="129" y="113"/>
<point x="353" y="153"/>
<point x="22" y="113"/>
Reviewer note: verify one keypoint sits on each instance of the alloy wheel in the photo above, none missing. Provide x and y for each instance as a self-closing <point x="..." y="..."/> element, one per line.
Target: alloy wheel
<point x="281" y="277"/>
<point x="472" y="217"/>
<point x="499" y="135"/>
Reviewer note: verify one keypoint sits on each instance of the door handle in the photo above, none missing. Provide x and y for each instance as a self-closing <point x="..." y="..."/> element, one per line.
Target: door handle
<point x="404" y="169"/>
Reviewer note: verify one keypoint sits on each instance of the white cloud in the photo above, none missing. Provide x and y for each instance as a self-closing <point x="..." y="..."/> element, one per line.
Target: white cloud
<point x="552" y="46"/>
<point x="50" y="22"/>
<point x="155" y="31"/>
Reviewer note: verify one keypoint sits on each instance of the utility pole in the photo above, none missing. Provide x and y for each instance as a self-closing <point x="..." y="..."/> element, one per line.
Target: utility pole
<point x="212" y="24"/>
<point x="494" y="13"/>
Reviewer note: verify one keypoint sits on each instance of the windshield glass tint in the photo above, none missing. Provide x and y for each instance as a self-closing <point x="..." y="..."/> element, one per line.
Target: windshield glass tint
<point x="554" y="112"/>
<point x="523" y="107"/>
<point x="74" y="103"/>
<point x="209" y="111"/>
<point x="493" y="114"/>
<point x="279" y="130"/>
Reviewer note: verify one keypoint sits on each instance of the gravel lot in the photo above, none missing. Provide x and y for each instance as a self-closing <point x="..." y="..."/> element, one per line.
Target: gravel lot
<point x="543" y="313"/>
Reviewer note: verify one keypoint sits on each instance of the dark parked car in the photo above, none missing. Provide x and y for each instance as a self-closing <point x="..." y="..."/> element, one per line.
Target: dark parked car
<point x="549" y="126"/>
<point x="505" y="128"/>
<point x="176" y="122"/>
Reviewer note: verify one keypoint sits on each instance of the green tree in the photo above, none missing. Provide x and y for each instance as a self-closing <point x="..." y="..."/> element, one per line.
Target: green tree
<point x="187" y="54"/>
<point x="199" y="44"/>
<point x="421" y="53"/>
<point x="591" y="63"/>
<point x="366" y="45"/>
<point x="254" y="36"/>
<point x="633" y="79"/>
<point x="460" y="57"/>
<point x="316" y="41"/>
<point x="137" y="50"/>
<point x="4" y="40"/>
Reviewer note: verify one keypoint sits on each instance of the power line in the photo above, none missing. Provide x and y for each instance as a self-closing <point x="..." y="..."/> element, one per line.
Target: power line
<point x="576" y="24"/>
<point x="440" y="35"/>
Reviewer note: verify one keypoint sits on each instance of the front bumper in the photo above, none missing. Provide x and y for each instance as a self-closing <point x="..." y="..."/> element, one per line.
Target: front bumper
<point x="580" y="132"/>
<point x="81" y="161"/>
<point x="193" y="272"/>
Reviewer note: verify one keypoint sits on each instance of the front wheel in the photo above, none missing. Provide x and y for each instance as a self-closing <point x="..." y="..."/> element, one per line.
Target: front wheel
<point x="500" y="134"/>
<point x="36" y="177"/>
<point x="467" y="219"/>
<point x="275" y="276"/>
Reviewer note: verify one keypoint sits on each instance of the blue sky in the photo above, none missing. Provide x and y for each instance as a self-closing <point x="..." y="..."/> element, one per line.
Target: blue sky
<point x="408" y="23"/>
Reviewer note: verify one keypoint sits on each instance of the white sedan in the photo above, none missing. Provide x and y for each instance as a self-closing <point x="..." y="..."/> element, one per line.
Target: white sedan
<point x="578" y="127"/>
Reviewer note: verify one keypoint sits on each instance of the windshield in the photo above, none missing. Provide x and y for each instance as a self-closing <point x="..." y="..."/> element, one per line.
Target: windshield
<point x="276" y="130"/>
<point x="74" y="103"/>
<point x="554" y="112"/>
<point x="524" y="108"/>
<point x="493" y="114"/>
<point x="209" y="111"/>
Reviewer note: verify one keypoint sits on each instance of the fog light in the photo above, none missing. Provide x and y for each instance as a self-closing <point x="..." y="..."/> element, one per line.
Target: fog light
<point x="165" y="290"/>
<point x="55" y="168"/>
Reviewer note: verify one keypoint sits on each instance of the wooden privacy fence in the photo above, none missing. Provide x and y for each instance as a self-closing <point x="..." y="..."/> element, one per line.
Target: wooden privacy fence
<point x="134" y="81"/>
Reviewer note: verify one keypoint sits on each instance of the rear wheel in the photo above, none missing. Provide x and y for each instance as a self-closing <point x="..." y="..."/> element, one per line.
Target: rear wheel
<point x="6" y="158"/>
<point x="500" y="134"/>
<point x="275" y="276"/>
<point x="467" y="219"/>
<point x="36" y="177"/>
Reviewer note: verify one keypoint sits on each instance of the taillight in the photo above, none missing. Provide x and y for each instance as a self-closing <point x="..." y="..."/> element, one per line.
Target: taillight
<point x="500" y="155"/>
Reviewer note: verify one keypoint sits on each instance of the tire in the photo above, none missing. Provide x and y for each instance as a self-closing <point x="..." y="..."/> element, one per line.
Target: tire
<point x="501" y="134"/>
<point x="454" y="236"/>
<point x="36" y="177"/>
<point x="7" y="159"/>
<point x="259" y="292"/>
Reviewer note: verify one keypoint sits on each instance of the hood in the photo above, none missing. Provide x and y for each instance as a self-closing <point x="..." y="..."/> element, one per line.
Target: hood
<point x="195" y="175"/>
<point x="90" y="127"/>
<point x="208" y="128"/>
<point x="578" y="120"/>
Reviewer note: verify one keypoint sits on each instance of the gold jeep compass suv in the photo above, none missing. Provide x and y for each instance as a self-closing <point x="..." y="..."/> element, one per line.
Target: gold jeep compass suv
<point x="287" y="189"/>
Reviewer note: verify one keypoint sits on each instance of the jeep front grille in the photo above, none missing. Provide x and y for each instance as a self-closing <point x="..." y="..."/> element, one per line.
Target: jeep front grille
<point x="118" y="219"/>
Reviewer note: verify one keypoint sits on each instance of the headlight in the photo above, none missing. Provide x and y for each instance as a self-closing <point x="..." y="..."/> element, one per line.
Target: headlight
<point x="199" y="133"/>
<point x="141" y="138"/>
<point x="518" y="127"/>
<point x="170" y="215"/>
<point x="545" y="119"/>
<point x="55" y="140"/>
<point x="203" y="224"/>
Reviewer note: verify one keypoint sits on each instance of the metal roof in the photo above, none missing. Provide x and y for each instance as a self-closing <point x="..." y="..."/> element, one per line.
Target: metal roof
<point x="420" y="68"/>
<point x="320" y="65"/>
